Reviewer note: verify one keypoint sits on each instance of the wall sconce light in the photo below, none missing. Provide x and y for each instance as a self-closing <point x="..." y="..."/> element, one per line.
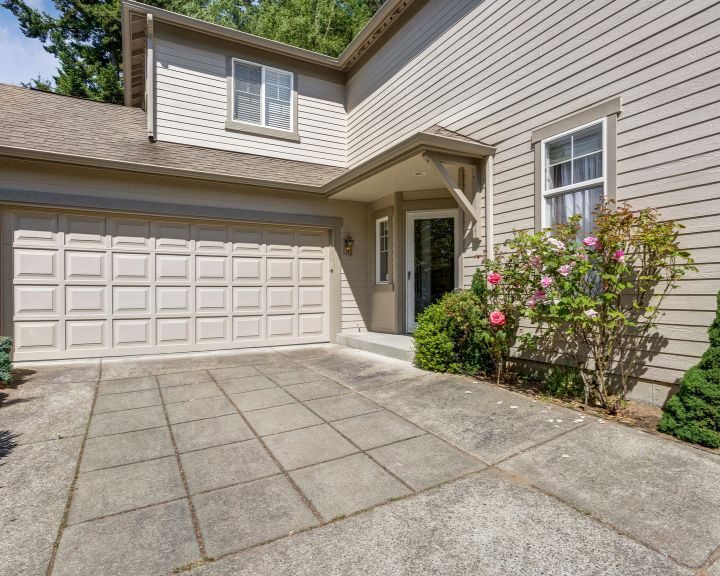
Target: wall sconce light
<point x="348" y="245"/>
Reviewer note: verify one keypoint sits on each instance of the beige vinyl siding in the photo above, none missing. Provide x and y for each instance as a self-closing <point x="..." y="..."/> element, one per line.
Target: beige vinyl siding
<point x="519" y="65"/>
<point x="191" y="97"/>
<point x="37" y="177"/>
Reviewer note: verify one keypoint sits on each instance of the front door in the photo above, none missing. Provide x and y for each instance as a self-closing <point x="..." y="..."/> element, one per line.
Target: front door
<point x="432" y="254"/>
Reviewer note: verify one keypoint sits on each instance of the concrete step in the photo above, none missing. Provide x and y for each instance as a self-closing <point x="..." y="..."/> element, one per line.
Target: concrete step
<point x="398" y="346"/>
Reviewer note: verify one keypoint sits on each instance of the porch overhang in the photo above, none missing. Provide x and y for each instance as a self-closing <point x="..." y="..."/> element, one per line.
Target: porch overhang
<point x="433" y="159"/>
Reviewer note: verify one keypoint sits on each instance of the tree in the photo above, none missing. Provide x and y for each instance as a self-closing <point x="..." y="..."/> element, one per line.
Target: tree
<point x="325" y="26"/>
<point x="85" y="36"/>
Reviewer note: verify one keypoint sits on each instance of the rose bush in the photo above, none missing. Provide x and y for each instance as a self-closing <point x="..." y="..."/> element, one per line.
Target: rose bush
<point x="597" y="299"/>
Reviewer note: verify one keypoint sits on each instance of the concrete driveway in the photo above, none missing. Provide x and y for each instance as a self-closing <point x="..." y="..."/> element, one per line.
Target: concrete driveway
<point x="321" y="460"/>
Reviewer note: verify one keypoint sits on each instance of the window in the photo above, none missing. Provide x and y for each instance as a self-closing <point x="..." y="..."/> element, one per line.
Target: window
<point x="573" y="174"/>
<point x="262" y="96"/>
<point x="382" y="251"/>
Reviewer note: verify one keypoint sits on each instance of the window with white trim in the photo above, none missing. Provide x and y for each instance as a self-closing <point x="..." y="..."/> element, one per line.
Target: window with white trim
<point x="262" y="96"/>
<point x="382" y="250"/>
<point x="574" y="174"/>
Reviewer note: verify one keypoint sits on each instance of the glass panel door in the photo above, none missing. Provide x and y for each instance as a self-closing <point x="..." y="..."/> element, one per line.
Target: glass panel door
<point x="432" y="259"/>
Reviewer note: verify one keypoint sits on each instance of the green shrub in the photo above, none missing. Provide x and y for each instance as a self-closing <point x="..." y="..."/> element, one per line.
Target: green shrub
<point x="563" y="382"/>
<point x="451" y="335"/>
<point x="693" y="414"/>
<point x="5" y="362"/>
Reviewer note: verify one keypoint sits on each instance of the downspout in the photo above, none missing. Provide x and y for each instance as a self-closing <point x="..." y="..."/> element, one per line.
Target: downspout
<point x="489" y="217"/>
<point x="150" y="79"/>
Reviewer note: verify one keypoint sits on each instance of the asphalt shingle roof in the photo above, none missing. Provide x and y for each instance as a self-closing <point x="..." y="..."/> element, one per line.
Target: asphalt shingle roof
<point x="94" y="132"/>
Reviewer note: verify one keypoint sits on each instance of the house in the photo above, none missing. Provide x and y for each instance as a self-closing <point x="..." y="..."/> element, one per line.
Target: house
<point x="251" y="193"/>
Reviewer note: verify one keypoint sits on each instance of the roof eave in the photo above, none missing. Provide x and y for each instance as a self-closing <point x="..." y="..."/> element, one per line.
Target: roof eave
<point x="94" y="162"/>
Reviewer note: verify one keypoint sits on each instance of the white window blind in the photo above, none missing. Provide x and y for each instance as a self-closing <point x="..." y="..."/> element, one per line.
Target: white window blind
<point x="262" y="95"/>
<point x="248" y="92"/>
<point x="574" y="175"/>
<point x="278" y="99"/>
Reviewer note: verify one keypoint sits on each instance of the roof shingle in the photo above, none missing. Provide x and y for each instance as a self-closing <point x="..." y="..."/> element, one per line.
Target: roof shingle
<point x="95" y="133"/>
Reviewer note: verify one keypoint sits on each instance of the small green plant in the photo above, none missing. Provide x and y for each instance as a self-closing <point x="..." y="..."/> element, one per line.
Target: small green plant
<point x="693" y="414"/>
<point x="563" y="382"/>
<point x="452" y="335"/>
<point x="6" y="366"/>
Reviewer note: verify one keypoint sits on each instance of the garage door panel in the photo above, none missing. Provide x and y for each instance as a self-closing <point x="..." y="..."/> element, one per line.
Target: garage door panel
<point x="311" y="271"/>
<point x="36" y="336"/>
<point x="248" y="299"/>
<point x="173" y="299"/>
<point x="279" y="241"/>
<point x="36" y="265"/>
<point x="173" y="331"/>
<point x="90" y="266"/>
<point x="131" y="333"/>
<point x="211" y="329"/>
<point x="311" y="298"/>
<point x="88" y="285"/>
<point x="83" y="231"/>
<point x="172" y="268"/>
<point x="311" y="324"/>
<point x="171" y="236"/>
<point x="281" y="326"/>
<point x="310" y="242"/>
<point x="85" y="300"/>
<point x="248" y="328"/>
<point x="131" y="267"/>
<point x="36" y="300"/>
<point x="86" y="334"/>
<point x="131" y="300"/>
<point x="210" y="238"/>
<point x="246" y="240"/>
<point x="211" y="269"/>
<point x="130" y="234"/>
<point x="280" y="270"/>
<point x="36" y="228"/>
<point x="211" y="299"/>
<point x="247" y="270"/>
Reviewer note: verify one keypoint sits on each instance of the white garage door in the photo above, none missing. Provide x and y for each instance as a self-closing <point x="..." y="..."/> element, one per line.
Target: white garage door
<point x="89" y="285"/>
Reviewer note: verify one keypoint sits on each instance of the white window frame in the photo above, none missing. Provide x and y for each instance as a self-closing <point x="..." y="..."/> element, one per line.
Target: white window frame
<point x="545" y="193"/>
<point x="263" y="69"/>
<point x="378" y="223"/>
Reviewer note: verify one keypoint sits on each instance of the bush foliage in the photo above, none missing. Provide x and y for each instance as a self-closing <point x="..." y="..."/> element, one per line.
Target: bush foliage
<point x="5" y="362"/>
<point x="451" y="335"/>
<point x="693" y="414"/>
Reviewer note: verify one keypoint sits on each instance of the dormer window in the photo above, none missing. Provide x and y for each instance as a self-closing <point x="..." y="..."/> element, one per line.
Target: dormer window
<point x="262" y="99"/>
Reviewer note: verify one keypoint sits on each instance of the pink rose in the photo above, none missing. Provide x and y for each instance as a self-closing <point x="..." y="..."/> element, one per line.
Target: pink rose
<point x="539" y="295"/>
<point x="497" y="318"/>
<point x="494" y="278"/>
<point x="536" y="262"/>
<point x="591" y="242"/>
<point x="582" y="257"/>
<point x="557" y="244"/>
<point x="531" y="303"/>
<point x="619" y="256"/>
<point x="546" y="281"/>
<point x="565" y="269"/>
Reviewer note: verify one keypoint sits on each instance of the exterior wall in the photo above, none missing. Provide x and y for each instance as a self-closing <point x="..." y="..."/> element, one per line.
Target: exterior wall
<point x="192" y="93"/>
<point x="112" y="187"/>
<point x="517" y="66"/>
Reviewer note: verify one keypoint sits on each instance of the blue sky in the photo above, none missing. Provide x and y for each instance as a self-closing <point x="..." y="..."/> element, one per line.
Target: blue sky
<point x="22" y="58"/>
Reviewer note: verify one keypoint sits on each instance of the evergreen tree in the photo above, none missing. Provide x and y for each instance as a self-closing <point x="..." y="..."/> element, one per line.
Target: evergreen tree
<point x="85" y="36"/>
<point x="693" y="414"/>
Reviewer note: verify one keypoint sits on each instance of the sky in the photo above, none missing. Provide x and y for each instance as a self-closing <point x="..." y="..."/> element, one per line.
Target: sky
<point x="22" y="58"/>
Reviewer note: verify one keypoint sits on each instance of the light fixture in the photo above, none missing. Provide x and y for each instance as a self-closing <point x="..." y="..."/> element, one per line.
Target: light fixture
<point x="348" y="245"/>
<point x="419" y="173"/>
